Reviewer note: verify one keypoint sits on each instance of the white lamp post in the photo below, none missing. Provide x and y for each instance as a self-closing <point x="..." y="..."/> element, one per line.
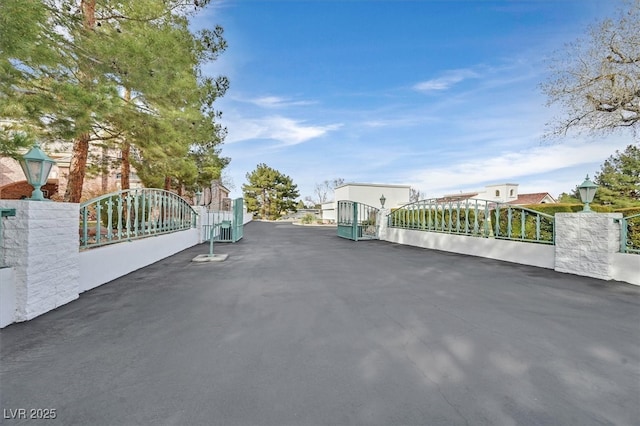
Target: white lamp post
<point x="36" y="166"/>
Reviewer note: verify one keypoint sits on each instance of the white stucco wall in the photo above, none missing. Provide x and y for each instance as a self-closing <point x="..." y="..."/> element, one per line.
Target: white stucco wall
<point x="246" y="217"/>
<point x="7" y="297"/>
<point x="103" y="264"/>
<point x="541" y="255"/>
<point x="45" y="268"/>
<point x="626" y="267"/>
<point x="587" y="244"/>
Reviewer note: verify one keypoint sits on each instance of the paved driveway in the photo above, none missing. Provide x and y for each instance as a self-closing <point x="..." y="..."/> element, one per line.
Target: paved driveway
<point x="300" y="327"/>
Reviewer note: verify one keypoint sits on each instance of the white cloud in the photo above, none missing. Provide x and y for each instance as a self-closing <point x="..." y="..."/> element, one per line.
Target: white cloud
<point x="277" y="102"/>
<point x="406" y="120"/>
<point x="448" y="79"/>
<point x="285" y="130"/>
<point x="541" y="165"/>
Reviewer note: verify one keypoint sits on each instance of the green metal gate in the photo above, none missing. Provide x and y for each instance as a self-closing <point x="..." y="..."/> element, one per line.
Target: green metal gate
<point x="357" y="221"/>
<point x="133" y="214"/>
<point x="238" y="219"/>
<point x="230" y="231"/>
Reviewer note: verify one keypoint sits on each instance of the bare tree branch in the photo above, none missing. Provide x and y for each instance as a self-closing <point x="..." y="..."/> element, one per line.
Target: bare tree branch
<point x="596" y="81"/>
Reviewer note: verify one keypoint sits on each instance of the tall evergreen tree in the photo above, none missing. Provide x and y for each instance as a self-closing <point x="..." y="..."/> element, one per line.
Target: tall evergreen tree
<point x="123" y="73"/>
<point x="619" y="179"/>
<point x="269" y="192"/>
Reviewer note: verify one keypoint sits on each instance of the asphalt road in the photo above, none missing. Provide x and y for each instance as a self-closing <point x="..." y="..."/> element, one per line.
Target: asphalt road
<point x="300" y="327"/>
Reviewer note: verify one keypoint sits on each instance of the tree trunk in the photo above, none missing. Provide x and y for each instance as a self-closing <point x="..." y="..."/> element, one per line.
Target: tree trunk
<point x="77" y="169"/>
<point x="104" y="169"/>
<point x="125" y="166"/>
<point x="78" y="165"/>
<point x="167" y="183"/>
<point x="88" y="13"/>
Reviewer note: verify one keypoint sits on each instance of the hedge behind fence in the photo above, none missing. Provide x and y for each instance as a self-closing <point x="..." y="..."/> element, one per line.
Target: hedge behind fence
<point x="633" y="225"/>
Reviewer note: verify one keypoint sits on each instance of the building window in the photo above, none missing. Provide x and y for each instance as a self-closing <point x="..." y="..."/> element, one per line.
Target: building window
<point x="497" y="192"/>
<point x="511" y="192"/>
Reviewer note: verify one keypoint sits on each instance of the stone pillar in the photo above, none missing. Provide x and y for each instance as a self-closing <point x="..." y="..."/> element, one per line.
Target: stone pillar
<point x="586" y="242"/>
<point x="201" y="220"/>
<point x="382" y="223"/>
<point x="41" y="245"/>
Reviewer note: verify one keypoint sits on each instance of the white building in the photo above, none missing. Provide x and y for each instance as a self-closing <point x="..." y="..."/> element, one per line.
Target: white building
<point x="366" y="193"/>
<point x="502" y="193"/>
<point x="499" y="193"/>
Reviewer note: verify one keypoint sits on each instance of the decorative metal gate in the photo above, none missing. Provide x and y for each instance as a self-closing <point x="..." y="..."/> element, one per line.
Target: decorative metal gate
<point x="231" y="228"/>
<point x="357" y="221"/>
<point x="238" y="219"/>
<point x="131" y="214"/>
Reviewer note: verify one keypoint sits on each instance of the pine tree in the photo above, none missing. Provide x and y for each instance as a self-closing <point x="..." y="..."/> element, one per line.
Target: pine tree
<point x="269" y="192"/>
<point x="119" y="74"/>
<point x="619" y="179"/>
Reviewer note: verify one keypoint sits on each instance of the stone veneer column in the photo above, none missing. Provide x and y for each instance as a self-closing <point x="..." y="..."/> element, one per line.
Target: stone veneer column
<point x="586" y="242"/>
<point x="41" y="245"/>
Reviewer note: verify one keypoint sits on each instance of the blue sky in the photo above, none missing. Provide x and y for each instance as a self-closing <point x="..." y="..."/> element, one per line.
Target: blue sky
<point x="440" y="95"/>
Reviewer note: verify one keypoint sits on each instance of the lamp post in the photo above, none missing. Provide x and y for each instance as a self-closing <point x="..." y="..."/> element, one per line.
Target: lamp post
<point x="198" y="197"/>
<point x="36" y="166"/>
<point x="382" y="200"/>
<point x="587" y="191"/>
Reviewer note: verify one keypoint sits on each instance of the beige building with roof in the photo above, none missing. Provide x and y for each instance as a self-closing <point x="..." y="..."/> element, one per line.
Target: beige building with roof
<point x="502" y="193"/>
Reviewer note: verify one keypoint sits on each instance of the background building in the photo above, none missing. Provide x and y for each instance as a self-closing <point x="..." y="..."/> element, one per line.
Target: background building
<point x="366" y="193"/>
<point x="502" y="193"/>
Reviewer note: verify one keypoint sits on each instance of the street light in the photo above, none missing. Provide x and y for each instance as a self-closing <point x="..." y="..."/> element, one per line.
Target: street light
<point x="36" y="166"/>
<point x="198" y="196"/>
<point x="382" y="200"/>
<point x="587" y="191"/>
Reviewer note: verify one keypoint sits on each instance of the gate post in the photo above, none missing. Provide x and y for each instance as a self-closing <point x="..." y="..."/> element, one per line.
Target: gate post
<point x="354" y="228"/>
<point x="41" y="245"/>
<point x="586" y="243"/>
<point x="383" y="224"/>
<point x="238" y="219"/>
<point x="202" y="222"/>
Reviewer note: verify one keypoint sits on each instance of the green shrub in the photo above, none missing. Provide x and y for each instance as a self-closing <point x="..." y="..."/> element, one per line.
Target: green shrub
<point x="553" y="208"/>
<point x="628" y="211"/>
<point x="530" y="231"/>
<point x="308" y="218"/>
<point x="455" y="221"/>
